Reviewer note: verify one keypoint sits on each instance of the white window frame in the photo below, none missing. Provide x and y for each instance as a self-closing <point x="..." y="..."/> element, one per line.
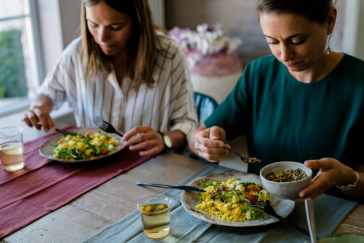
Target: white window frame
<point x="40" y="74"/>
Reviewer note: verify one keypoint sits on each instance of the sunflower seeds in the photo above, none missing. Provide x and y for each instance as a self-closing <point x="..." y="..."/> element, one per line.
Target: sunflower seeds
<point x="286" y="176"/>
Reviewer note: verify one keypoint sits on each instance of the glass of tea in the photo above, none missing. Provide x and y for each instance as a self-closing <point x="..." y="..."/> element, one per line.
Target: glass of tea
<point x="11" y="148"/>
<point x="155" y="215"/>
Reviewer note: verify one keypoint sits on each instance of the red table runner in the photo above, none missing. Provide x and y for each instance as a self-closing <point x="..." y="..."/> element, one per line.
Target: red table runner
<point x="45" y="185"/>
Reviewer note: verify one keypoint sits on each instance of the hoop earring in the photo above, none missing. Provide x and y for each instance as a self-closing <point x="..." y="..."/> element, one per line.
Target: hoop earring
<point x="328" y="49"/>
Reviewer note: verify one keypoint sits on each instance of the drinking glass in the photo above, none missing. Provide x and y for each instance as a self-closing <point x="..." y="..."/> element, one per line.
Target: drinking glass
<point x="155" y="216"/>
<point x="11" y="148"/>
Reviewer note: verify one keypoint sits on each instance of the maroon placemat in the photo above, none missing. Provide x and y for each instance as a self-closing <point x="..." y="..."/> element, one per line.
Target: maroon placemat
<point x="45" y="185"/>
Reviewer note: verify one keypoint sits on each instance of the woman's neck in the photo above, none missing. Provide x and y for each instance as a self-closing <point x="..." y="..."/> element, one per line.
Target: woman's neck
<point x="119" y="61"/>
<point x="120" y="67"/>
<point x="322" y="67"/>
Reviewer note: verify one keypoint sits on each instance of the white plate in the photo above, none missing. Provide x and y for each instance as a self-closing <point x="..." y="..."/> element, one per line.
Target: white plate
<point x="47" y="151"/>
<point x="191" y="199"/>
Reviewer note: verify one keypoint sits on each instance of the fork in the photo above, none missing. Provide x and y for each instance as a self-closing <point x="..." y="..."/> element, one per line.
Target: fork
<point x="266" y="207"/>
<point x="186" y="188"/>
<point x="64" y="132"/>
<point x="107" y="127"/>
<point x="249" y="160"/>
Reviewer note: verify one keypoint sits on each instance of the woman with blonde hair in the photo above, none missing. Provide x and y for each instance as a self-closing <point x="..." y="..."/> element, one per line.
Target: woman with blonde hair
<point x="125" y="71"/>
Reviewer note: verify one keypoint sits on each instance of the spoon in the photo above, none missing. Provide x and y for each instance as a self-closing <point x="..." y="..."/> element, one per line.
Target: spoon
<point x="248" y="160"/>
<point x="311" y="219"/>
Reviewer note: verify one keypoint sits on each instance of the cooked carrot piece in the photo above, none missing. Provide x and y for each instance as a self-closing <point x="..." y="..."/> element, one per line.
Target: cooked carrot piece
<point x="104" y="151"/>
<point x="89" y="134"/>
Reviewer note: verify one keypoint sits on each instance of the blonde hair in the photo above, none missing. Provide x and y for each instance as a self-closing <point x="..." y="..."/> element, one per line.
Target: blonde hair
<point x="142" y="43"/>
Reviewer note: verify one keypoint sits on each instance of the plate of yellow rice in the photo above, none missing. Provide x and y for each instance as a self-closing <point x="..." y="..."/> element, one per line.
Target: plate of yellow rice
<point x="89" y="144"/>
<point x="226" y="197"/>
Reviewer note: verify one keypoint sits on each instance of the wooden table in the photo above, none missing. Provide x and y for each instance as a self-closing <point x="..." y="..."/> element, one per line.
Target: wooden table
<point x="116" y="198"/>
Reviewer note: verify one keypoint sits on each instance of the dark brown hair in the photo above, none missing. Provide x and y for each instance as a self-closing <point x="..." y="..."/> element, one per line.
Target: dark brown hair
<point x="142" y="43"/>
<point x="313" y="10"/>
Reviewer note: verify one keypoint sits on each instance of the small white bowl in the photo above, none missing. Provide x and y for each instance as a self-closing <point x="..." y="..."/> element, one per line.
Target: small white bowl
<point x="285" y="190"/>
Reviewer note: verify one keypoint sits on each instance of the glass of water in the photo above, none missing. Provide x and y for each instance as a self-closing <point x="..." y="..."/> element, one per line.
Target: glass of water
<point x="155" y="215"/>
<point x="11" y="148"/>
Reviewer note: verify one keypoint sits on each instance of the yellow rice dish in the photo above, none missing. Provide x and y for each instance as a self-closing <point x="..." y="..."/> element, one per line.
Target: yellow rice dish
<point x="228" y="200"/>
<point x="79" y="147"/>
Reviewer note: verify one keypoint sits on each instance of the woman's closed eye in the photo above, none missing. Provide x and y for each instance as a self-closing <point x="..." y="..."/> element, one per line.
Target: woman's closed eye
<point x="292" y="42"/>
<point x="93" y="25"/>
<point x="298" y="43"/>
<point x="117" y="27"/>
<point x="112" y="27"/>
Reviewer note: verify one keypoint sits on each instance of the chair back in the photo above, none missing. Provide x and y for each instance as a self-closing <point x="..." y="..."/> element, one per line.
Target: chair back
<point x="205" y="105"/>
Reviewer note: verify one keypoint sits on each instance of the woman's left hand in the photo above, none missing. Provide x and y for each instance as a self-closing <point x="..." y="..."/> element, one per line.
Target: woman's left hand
<point x="144" y="137"/>
<point x="332" y="172"/>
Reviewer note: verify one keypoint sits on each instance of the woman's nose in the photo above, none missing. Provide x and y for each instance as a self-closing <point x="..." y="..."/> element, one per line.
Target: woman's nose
<point x="103" y="35"/>
<point x="286" y="53"/>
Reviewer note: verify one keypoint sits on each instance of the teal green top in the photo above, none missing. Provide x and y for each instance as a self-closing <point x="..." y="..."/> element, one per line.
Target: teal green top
<point x="286" y="120"/>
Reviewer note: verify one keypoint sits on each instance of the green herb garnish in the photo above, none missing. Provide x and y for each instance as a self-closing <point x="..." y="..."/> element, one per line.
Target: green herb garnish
<point x="203" y="185"/>
<point x="217" y="183"/>
<point x="248" y="183"/>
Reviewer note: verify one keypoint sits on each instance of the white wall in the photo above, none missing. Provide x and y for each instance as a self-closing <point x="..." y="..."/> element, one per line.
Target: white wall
<point x="70" y="20"/>
<point x="50" y="32"/>
<point x="59" y="22"/>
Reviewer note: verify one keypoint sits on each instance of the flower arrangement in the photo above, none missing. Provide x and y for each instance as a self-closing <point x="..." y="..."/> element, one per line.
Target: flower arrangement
<point x="211" y="57"/>
<point x="207" y="40"/>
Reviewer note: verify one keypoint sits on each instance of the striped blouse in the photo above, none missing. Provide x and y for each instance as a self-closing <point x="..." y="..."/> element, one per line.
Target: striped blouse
<point x="169" y="105"/>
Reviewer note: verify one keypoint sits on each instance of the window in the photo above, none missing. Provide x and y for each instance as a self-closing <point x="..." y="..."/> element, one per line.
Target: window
<point x="18" y="61"/>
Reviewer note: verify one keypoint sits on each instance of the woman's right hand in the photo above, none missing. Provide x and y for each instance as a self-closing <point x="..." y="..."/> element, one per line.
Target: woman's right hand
<point x="39" y="114"/>
<point x="209" y="144"/>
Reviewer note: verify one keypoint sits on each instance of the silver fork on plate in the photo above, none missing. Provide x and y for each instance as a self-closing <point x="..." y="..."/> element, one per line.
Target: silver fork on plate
<point x="63" y="132"/>
<point x="266" y="207"/>
<point x="107" y="127"/>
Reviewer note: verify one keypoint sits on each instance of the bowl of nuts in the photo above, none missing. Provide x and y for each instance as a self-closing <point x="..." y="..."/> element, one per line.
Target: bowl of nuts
<point x="285" y="179"/>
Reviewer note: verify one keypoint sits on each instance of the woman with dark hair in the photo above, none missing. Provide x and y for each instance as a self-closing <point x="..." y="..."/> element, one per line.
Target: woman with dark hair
<point x="125" y="71"/>
<point x="303" y="103"/>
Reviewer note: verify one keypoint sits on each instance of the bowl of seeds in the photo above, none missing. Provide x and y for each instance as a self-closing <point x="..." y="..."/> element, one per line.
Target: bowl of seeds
<point x="285" y="179"/>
